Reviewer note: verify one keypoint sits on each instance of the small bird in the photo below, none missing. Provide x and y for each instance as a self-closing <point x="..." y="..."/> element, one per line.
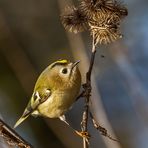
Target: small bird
<point x="55" y="91"/>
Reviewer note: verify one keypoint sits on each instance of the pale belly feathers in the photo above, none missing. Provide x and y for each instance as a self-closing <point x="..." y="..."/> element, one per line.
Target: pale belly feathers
<point x="57" y="104"/>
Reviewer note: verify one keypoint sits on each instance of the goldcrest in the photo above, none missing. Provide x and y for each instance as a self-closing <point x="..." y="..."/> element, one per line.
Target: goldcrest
<point x="55" y="91"/>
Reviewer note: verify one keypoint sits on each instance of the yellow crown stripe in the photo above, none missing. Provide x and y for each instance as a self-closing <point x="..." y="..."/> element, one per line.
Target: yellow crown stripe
<point x="62" y="61"/>
<point x="59" y="62"/>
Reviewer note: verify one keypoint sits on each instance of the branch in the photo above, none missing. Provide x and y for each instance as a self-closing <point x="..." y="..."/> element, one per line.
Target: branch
<point x="11" y="137"/>
<point x="101" y="129"/>
<point x="87" y="90"/>
<point x="87" y="93"/>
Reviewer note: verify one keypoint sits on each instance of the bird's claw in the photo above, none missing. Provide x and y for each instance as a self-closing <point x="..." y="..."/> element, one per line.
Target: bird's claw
<point x="83" y="134"/>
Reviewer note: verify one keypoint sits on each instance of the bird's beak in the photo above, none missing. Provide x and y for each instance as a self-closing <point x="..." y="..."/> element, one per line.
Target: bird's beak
<point x="20" y="121"/>
<point x="75" y="64"/>
<point x="25" y="115"/>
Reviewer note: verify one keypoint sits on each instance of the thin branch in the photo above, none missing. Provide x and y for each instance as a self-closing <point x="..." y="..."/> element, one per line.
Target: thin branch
<point x="87" y="88"/>
<point x="11" y="137"/>
<point x="88" y="74"/>
<point x="101" y="129"/>
<point x="80" y="95"/>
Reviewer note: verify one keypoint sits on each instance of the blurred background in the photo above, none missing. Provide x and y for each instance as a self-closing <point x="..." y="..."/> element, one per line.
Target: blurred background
<point x="32" y="37"/>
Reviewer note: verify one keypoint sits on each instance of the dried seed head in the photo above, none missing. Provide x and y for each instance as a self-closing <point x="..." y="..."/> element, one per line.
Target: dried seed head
<point x="105" y="36"/>
<point x="116" y="7"/>
<point x="74" y="20"/>
<point x="106" y="29"/>
<point x="90" y="7"/>
<point x="101" y="17"/>
<point x="94" y="7"/>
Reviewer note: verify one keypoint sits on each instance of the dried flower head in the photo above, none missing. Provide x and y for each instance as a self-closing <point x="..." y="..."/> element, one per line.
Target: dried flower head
<point x="107" y="29"/>
<point x="101" y="17"/>
<point x="94" y="7"/>
<point x="90" y="7"/>
<point x="74" y="20"/>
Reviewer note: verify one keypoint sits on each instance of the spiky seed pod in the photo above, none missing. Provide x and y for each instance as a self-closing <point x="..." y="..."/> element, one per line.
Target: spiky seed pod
<point x="74" y="20"/>
<point x="106" y="18"/>
<point x="101" y="17"/>
<point x="116" y="7"/>
<point x="93" y="7"/>
<point x="106" y="29"/>
<point x="90" y="7"/>
<point x="105" y="36"/>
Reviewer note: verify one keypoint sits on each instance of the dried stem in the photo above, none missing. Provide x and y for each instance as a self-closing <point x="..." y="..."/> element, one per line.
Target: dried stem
<point x="11" y="137"/>
<point x="101" y="129"/>
<point x="87" y="88"/>
<point x="87" y="93"/>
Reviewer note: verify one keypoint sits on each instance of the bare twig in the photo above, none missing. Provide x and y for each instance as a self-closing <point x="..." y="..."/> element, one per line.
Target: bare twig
<point x="87" y="93"/>
<point x="101" y="129"/>
<point x="11" y="137"/>
<point x="87" y="88"/>
<point x="80" y="95"/>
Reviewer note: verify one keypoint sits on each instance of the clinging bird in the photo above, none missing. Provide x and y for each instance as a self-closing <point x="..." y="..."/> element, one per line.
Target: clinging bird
<point x="55" y="91"/>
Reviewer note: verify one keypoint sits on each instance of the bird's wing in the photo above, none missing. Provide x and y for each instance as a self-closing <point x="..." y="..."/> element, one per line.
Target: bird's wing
<point x="33" y="104"/>
<point x="36" y="99"/>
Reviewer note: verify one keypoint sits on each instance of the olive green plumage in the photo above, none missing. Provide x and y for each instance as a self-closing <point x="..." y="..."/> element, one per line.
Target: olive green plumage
<point x="55" y="91"/>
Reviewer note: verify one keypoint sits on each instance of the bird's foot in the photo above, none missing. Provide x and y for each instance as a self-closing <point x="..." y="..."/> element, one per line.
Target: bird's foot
<point x="83" y="134"/>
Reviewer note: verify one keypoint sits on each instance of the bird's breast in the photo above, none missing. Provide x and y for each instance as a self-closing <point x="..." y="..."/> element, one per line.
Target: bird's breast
<point x="57" y="104"/>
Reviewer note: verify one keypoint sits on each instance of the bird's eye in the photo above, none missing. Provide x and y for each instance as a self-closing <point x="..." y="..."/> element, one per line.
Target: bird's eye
<point x="64" y="70"/>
